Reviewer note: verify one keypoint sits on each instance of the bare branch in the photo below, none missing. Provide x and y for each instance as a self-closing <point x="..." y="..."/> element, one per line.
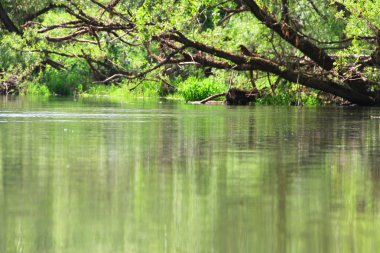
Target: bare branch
<point x="212" y="97"/>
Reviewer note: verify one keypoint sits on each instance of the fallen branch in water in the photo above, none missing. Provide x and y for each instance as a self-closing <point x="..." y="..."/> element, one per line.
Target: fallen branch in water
<point x="212" y="97"/>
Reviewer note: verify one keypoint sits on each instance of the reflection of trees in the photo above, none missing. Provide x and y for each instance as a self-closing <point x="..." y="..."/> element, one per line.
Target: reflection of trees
<point x="241" y="179"/>
<point x="324" y="149"/>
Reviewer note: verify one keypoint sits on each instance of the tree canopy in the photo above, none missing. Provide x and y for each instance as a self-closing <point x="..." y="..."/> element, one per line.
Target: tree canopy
<point x="324" y="45"/>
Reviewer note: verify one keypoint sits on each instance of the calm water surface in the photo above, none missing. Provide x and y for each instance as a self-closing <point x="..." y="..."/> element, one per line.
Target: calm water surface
<point x="153" y="176"/>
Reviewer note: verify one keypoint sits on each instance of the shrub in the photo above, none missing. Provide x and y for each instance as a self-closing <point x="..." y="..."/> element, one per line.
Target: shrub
<point x="63" y="82"/>
<point x="37" y="90"/>
<point x="288" y="99"/>
<point x="193" y="89"/>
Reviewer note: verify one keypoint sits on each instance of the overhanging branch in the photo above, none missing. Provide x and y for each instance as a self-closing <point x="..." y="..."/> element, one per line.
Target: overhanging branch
<point x="318" y="55"/>
<point x="8" y="24"/>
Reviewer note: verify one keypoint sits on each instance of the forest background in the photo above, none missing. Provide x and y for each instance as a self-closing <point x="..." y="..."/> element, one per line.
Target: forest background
<point x="268" y="51"/>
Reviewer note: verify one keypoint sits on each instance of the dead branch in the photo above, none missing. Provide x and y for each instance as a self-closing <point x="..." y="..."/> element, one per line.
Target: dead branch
<point x="212" y="97"/>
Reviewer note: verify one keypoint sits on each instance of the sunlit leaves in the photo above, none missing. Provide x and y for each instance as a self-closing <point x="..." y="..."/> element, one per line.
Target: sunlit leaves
<point x="203" y="21"/>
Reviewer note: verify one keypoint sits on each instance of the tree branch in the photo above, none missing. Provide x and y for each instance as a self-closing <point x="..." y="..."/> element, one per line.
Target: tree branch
<point x="286" y="32"/>
<point x="349" y="90"/>
<point x="41" y="12"/>
<point x="212" y="97"/>
<point x="5" y="19"/>
<point x="316" y="8"/>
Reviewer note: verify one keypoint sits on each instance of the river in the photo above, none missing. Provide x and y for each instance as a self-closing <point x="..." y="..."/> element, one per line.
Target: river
<point x="101" y="175"/>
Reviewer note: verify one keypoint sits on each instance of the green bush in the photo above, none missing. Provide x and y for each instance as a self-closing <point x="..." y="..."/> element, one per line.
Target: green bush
<point x="279" y="99"/>
<point x="144" y="89"/>
<point x="310" y="99"/>
<point x="33" y="89"/>
<point x="64" y="82"/>
<point x="193" y="89"/>
<point x="288" y="99"/>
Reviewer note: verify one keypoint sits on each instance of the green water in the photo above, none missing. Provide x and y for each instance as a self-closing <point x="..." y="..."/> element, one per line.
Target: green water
<point x="154" y="176"/>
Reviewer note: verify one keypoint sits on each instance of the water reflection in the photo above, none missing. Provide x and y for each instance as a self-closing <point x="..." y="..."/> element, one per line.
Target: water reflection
<point x="166" y="177"/>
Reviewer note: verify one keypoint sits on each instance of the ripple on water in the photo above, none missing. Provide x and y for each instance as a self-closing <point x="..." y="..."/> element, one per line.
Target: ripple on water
<point x="129" y="117"/>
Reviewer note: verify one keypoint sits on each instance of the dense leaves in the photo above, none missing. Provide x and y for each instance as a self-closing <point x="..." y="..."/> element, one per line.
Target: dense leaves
<point x="323" y="45"/>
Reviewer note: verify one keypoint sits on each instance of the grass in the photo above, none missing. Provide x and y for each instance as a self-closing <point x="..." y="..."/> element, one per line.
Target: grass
<point x="193" y="89"/>
<point x="53" y="82"/>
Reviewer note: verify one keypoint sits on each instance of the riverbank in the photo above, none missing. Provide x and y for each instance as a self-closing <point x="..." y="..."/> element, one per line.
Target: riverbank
<point x="192" y="92"/>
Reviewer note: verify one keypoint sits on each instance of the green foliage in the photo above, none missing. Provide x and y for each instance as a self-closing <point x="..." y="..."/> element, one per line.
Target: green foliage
<point x="280" y="99"/>
<point x="11" y="56"/>
<point x="35" y="89"/>
<point x="199" y="20"/>
<point x="64" y="82"/>
<point x="20" y="9"/>
<point x="310" y="100"/>
<point x="144" y="89"/>
<point x="193" y="89"/>
<point x="288" y="99"/>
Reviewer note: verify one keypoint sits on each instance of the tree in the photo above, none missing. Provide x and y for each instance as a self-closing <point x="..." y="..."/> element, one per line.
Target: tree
<point x="344" y="75"/>
<point x="330" y="46"/>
